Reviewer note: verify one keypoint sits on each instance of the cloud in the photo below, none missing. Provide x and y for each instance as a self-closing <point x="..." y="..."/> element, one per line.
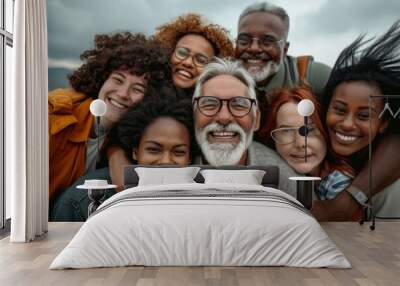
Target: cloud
<point x="336" y="17"/>
<point x="321" y="28"/>
<point x="326" y="30"/>
<point x="64" y="63"/>
<point x="72" y="24"/>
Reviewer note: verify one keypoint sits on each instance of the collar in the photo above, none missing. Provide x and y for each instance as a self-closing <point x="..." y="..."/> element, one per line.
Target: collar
<point x="68" y="107"/>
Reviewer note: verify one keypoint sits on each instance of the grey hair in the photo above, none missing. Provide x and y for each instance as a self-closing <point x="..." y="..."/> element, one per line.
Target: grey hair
<point x="268" y="8"/>
<point x="225" y="67"/>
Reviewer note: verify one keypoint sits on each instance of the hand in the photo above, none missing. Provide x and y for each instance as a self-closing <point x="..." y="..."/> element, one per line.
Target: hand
<point x="341" y="208"/>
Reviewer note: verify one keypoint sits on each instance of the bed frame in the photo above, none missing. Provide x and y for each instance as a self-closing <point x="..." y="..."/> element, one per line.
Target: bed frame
<point x="270" y="179"/>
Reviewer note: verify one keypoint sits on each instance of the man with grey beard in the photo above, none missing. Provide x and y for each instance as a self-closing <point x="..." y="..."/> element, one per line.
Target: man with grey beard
<point x="226" y="115"/>
<point x="262" y="46"/>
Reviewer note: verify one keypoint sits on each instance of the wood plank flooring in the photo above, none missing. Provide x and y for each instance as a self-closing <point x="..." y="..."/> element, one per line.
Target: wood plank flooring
<point x="374" y="255"/>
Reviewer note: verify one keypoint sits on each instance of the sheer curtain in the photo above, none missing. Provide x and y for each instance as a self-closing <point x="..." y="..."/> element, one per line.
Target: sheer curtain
<point x="26" y="124"/>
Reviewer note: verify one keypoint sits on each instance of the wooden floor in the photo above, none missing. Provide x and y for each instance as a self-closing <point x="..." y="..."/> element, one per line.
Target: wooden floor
<point x="374" y="255"/>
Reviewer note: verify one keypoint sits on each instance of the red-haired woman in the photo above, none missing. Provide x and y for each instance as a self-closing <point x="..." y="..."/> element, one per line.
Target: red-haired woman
<point x="284" y="130"/>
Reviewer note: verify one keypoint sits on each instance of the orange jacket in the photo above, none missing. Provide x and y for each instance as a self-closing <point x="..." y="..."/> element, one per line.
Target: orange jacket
<point x="70" y="123"/>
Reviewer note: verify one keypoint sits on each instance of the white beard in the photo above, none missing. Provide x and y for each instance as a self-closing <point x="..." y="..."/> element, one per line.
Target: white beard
<point x="268" y="70"/>
<point x="223" y="154"/>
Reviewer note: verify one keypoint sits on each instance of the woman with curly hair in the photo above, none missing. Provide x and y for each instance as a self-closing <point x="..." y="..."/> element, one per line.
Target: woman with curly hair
<point x="155" y="132"/>
<point x="192" y="43"/>
<point x="117" y="70"/>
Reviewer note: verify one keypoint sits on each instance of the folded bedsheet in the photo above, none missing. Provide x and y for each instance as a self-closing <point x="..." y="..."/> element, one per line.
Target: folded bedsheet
<point x="201" y="225"/>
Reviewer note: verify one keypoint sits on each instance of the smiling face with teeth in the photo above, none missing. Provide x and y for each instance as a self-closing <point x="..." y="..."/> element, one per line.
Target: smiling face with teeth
<point x="224" y="138"/>
<point x="120" y="91"/>
<point x="185" y="72"/>
<point x="262" y="62"/>
<point x="348" y="116"/>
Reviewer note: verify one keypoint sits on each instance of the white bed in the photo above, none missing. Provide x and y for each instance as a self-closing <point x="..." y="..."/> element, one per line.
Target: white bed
<point x="201" y="224"/>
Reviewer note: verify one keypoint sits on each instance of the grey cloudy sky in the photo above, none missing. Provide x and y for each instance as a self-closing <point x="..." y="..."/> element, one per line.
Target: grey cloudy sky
<point x="321" y="28"/>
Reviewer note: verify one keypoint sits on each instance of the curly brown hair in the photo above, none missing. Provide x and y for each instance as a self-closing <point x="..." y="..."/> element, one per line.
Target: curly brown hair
<point x="121" y="51"/>
<point x="170" y="33"/>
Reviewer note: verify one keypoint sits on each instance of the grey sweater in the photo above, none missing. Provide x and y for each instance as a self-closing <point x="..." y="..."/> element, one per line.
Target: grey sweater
<point x="288" y="76"/>
<point x="260" y="155"/>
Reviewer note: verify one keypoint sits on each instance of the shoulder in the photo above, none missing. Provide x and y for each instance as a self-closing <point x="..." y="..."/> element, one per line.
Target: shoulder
<point x="257" y="146"/>
<point x="260" y="154"/>
<point x="67" y="93"/>
<point x="314" y="68"/>
<point x="317" y="75"/>
<point x="318" y="67"/>
<point x="64" y="99"/>
<point x="66" y="107"/>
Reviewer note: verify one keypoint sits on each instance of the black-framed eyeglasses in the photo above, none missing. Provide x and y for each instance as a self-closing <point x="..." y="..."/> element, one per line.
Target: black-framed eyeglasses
<point x="245" y="41"/>
<point x="238" y="106"/>
<point x="199" y="60"/>
<point x="287" y="135"/>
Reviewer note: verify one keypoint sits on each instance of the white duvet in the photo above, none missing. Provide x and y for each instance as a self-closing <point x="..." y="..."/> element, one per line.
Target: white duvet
<point x="224" y="225"/>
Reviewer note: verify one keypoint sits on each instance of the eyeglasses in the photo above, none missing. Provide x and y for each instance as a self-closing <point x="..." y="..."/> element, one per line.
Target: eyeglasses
<point x="245" y="41"/>
<point x="287" y="135"/>
<point x="199" y="60"/>
<point x="238" y="106"/>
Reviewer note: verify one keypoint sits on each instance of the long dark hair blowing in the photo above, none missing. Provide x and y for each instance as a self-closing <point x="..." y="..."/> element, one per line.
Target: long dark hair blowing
<point x="133" y="124"/>
<point x="121" y="51"/>
<point x="377" y="64"/>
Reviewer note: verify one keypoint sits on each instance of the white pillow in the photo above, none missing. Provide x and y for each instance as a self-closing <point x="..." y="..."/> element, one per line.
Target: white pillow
<point x="164" y="176"/>
<point x="248" y="177"/>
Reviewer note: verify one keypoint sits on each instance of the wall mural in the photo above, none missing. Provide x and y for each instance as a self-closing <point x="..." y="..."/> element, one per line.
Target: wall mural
<point x="202" y="83"/>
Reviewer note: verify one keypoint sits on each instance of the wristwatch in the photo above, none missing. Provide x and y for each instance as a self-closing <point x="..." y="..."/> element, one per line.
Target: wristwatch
<point x="357" y="194"/>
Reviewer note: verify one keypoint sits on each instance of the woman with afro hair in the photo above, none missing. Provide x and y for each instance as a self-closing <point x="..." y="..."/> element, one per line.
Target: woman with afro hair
<point x="155" y="132"/>
<point x="192" y="43"/>
<point x="119" y="70"/>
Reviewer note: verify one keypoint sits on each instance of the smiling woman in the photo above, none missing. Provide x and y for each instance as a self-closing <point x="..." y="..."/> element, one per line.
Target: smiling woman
<point x="348" y="119"/>
<point x="361" y="72"/>
<point x="120" y="91"/>
<point x="192" y="43"/>
<point x="118" y="70"/>
<point x="365" y="68"/>
<point x="155" y="132"/>
<point x="158" y="132"/>
<point x="282" y="131"/>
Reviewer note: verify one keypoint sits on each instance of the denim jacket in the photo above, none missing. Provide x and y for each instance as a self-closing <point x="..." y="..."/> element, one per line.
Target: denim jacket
<point x="72" y="204"/>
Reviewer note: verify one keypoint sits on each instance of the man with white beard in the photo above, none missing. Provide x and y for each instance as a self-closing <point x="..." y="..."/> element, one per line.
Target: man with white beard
<point x="262" y="45"/>
<point x="226" y="115"/>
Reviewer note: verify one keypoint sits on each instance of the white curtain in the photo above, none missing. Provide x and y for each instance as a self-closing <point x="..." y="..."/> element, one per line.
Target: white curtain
<point x="26" y="123"/>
